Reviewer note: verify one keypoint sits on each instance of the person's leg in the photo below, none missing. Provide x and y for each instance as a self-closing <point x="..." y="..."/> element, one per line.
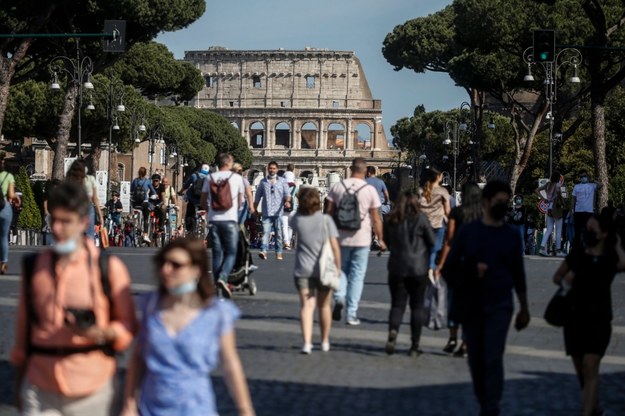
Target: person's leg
<point x="474" y="339"/>
<point x="339" y="295"/>
<point x="558" y="225"/>
<point x="496" y="328"/>
<point x="578" y="361"/>
<point x="229" y="234"/>
<point x="217" y="249"/>
<point x="521" y="228"/>
<point x="590" y="370"/>
<point x="307" y="309"/>
<point x="325" y="317"/>
<point x="439" y="234"/>
<point x="266" y="233"/>
<point x="277" y="225"/>
<point x="284" y="225"/>
<point x="399" y="300"/>
<point x="6" y="216"/>
<point x="416" y="291"/>
<point x="452" y="324"/>
<point x="91" y="227"/>
<point x="145" y="209"/>
<point x="548" y="231"/>
<point x="189" y="217"/>
<point x="356" y="280"/>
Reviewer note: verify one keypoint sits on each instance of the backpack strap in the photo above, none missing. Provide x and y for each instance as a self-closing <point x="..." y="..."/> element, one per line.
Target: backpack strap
<point x="103" y="264"/>
<point x="28" y="266"/>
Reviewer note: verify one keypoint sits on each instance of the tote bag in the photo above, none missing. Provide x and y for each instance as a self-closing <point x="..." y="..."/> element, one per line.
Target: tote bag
<point x="328" y="273"/>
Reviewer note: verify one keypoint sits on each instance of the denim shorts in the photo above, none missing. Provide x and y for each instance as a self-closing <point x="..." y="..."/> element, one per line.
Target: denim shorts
<point x="311" y="283"/>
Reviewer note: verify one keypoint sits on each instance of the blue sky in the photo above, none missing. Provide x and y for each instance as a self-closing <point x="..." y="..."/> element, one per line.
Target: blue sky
<point x="353" y="25"/>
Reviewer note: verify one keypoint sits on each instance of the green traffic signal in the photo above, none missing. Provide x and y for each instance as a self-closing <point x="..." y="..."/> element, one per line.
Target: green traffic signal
<point x="544" y="56"/>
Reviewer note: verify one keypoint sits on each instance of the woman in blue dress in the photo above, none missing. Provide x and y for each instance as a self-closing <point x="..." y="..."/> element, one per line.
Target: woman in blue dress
<point x="185" y="333"/>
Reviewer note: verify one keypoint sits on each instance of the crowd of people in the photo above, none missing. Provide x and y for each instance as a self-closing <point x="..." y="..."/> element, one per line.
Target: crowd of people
<point x="66" y="339"/>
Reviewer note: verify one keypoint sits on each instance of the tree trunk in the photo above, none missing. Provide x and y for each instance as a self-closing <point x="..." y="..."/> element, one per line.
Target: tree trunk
<point x="7" y="70"/>
<point x="597" y="103"/>
<point x="65" y="126"/>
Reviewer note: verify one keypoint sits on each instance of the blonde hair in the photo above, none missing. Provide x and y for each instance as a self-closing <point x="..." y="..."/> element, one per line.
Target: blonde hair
<point x="237" y="167"/>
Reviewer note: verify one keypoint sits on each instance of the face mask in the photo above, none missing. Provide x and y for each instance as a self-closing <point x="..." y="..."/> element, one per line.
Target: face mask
<point x="590" y="238"/>
<point x="183" y="289"/>
<point x="498" y="211"/>
<point x="65" y="247"/>
<point x="583" y="179"/>
<point x="518" y="202"/>
<point x="204" y="172"/>
<point x="271" y="176"/>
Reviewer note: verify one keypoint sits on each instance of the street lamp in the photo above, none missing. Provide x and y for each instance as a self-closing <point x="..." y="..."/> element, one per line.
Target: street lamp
<point x="565" y="57"/>
<point x="156" y="137"/>
<point x="452" y="134"/>
<point x="137" y="125"/>
<point x="79" y="71"/>
<point x="114" y="98"/>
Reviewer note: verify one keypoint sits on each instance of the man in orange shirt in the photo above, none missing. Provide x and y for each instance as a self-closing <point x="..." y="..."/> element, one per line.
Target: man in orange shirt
<point x="67" y="326"/>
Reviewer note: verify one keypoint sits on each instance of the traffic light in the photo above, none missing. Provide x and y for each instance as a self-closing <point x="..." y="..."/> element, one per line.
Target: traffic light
<point x="544" y="45"/>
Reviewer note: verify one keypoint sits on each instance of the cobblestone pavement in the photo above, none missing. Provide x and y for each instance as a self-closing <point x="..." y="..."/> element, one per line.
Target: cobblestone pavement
<point x="357" y="377"/>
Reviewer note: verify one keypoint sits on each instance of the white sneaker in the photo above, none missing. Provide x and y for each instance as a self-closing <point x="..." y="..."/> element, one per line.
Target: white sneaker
<point x="353" y="321"/>
<point x="325" y="346"/>
<point x="306" y="349"/>
<point x="560" y="253"/>
<point x="146" y="239"/>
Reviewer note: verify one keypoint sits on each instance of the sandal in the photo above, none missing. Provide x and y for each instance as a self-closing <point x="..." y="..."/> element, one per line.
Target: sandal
<point x="461" y="352"/>
<point x="451" y="346"/>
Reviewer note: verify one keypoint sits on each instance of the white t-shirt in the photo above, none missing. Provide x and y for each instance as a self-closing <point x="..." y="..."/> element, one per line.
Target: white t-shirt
<point x="367" y="198"/>
<point x="584" y="194"/>
<point x="236" y="188"/>
<point x="289" y="176"/>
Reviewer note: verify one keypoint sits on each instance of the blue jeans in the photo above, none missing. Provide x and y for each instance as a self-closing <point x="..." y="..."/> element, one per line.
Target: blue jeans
<point x="225" y="237"/>
<point x="91" y="227"/>
<point x="276" y="223"/>
<point x="521" y="228"/>
<point x="354" y="262"/>
<point x="486" y="341"/>
<point x="6" y="216"/>
<point x="439" y="237"/>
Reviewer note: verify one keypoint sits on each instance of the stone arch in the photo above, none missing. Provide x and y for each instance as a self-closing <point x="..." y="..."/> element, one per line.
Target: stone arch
<point x="257" y="135"/>
<point x="363" y="136"/>
<point x="336" y="136"/>
<point x="307" y="176"/>
<point x="283" y="134"/>
<point x="308" y="135"/>
<point x="121" y="171"/>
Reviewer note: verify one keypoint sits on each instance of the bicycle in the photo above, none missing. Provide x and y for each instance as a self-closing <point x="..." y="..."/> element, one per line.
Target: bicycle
<point x="137" y="219"/>
<point x="200" y="227"/>
<point x="169" y="227"/>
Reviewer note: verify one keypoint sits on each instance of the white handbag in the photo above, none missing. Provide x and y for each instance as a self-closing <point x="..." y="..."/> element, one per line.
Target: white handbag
<point x="329" y="274"/>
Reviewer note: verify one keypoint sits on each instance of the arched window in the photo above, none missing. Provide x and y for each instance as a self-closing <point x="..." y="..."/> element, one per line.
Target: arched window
<point x="283" y="135"/>
<point x="257" y="135"/>
<point x="336" y="136"/>
<point x="362" y="136"/>
<point x="309" y="136"/>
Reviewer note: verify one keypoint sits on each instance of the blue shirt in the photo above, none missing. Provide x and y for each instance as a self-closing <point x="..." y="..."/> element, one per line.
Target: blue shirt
<point x="146" y="184"/>
<point x="379" y="186"/>
<point x="177" y="379"/>
<point x="274" y="195"/>
<point x="188" y="185"/>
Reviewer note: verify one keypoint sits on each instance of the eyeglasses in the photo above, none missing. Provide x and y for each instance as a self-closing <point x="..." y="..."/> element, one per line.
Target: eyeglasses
<point x="174" y="264"/>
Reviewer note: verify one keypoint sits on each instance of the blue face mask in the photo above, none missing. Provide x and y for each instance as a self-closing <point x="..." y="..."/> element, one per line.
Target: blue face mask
<point x="183" y="289"/>
<point x="204" y="172"/>
<point x="65" y="247"/>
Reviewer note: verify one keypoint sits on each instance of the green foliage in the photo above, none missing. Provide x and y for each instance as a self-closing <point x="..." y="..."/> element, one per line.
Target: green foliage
<point x="32" y="110"/>
<point x="30" y="217"/>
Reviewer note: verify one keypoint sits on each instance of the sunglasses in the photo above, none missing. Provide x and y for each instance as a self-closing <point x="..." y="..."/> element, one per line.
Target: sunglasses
<point x="272" y="189"/>
<point x="174" y="264"/>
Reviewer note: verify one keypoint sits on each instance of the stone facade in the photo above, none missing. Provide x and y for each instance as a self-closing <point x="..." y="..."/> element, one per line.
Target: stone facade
<point x="310" y="107"/>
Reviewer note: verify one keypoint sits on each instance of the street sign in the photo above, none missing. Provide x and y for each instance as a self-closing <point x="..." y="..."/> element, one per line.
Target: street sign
<point x="542" y="206"/>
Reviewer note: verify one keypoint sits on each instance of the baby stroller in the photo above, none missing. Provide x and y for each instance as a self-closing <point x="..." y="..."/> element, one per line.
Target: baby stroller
<point x="240" y="279"/>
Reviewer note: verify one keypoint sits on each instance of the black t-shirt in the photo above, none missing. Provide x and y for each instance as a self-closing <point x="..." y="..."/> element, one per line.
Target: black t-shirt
<point x="591" y="290"/>
<point x="112" y="207"/>
<point x="516" y="216"/>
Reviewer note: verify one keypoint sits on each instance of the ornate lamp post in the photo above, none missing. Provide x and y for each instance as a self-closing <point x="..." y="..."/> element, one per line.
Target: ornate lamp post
<point x="79" y="72"/>
<point x="452" y="134"/>
<point x="565" y="57"/>
<point x="156" y="137"/>
<point x="137" y="123"/>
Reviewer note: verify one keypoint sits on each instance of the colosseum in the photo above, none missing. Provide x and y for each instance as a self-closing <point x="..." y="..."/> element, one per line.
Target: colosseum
<point x="310" y="107"/>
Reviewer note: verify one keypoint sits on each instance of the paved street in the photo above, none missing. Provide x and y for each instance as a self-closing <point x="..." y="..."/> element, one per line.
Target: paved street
<point x="357" y="377"/>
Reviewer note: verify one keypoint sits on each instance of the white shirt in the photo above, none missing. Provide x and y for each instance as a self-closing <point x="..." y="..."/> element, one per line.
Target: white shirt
<point x="236" y="188"/>
<point x="584" y="194"/>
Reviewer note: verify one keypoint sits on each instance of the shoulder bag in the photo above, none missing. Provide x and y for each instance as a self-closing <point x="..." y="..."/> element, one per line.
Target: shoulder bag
<point x="328" y="273"/>
<point x="558" y="308"/>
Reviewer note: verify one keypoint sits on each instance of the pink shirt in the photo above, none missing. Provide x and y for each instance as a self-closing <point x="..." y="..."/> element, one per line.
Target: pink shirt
<point x="367" y="199"/>
<point x="76" y="285"/>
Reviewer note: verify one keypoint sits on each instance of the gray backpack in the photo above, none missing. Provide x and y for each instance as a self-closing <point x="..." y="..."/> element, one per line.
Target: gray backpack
<point x="347" y="211"/>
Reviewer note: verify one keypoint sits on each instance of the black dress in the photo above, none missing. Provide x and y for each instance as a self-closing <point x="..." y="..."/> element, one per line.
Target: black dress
<point x="589" y="327"/>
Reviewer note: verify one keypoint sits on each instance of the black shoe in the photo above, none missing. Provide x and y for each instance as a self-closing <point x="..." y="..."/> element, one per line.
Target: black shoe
<point x="451" y="346"/>
<point x="336" y="312"/>
<point x="225" y="289"/>
<point x="390" y="344"/>
<point x="414" y="350"/>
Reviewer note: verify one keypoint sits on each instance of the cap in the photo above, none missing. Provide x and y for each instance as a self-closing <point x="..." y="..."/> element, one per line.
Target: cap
<point x="156" y="177"/>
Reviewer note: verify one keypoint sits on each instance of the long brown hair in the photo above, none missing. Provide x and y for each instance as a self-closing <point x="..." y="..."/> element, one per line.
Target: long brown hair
<point x="407" y="206"/>
<point x="77" y="172"/>
<point x="431" y="178"/>
<point x="199" y="257"/>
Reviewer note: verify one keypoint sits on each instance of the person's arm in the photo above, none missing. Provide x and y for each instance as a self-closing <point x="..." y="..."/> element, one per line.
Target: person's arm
<point x="234" y="375"/>
<point x="386" y="196"/>
<point x="96" y="204"/>
<point x="377" y="227"/>
<point x="446" y="206"/>
<point x="449" y="235"/>
<point x="538" y="190"/>
<point x="520" y="284"/>
<point x="19" y="357"/>
<point x="260" y="192"/>
<point x="11" y="192"/>
<point x="250" y="199"/>
<point x="562" y="272"/>
<point x="330" y="207"/>
<point x="134" y="376"/>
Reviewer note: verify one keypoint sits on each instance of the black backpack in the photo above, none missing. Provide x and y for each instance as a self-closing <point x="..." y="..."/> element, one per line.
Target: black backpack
<point x="198" y="185"/>
<point x="139" y="193"/>
<point x="347" y="210"/>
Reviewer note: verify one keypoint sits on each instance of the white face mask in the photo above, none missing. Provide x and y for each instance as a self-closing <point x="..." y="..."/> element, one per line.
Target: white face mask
<point x="65" y="247"/>
<point x="183" y="289"/>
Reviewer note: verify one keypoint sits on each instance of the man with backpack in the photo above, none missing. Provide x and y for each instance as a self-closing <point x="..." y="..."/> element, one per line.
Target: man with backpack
<point x="354" y="205"/>
<point x="140" y="190"/>
<point x="276" y="197"/>
<point x="222" y="196"/>
<point x="75" y="311"/>
<point x="192" y="191"/>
